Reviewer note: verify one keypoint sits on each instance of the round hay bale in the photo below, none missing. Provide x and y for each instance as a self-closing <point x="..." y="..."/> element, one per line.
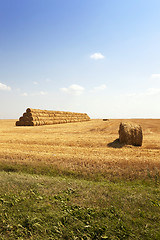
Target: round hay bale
<point x="32" y="123"/>
<point x="18" y="123"/>
<point x="27" y="123"/>
<point x="28" y="110"/>
<point x="130" y="133"/>
<point x="21" y="119"/>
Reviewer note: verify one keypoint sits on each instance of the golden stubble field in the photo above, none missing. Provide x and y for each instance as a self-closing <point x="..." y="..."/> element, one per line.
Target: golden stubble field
<point x="85" y="148"/>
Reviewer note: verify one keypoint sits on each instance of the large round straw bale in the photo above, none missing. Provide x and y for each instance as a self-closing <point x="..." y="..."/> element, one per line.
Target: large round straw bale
<point x="130" y="133"/>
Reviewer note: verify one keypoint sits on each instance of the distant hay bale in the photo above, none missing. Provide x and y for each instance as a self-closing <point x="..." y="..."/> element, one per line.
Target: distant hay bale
<point x="130" y="133"/>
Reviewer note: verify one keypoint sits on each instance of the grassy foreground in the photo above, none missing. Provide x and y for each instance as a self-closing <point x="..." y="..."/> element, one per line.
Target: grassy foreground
<point x="60" y="207"/>
<point x="77" y="182"/>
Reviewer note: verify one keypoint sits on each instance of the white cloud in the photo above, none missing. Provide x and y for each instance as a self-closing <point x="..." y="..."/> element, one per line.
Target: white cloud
<point x="35" y="83"/>
<point x="24" y="94"/>
<point x="43" y="93"/>
<point x="155" y="76"/>
<point x="97" y="56"/>
<point x="131" y="95"/>
<point x="100" y="88"/>
<point x="153" y="91"/>
<point x="48" y="80"/>
<point x="18" y="89"/>
<point x="4" y="87"/>
<point x="74" y="89"/>
<point x="148" y="92"/>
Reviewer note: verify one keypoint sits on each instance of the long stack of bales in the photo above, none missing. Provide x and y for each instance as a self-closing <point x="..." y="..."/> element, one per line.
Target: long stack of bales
<point x="36" y="117"/>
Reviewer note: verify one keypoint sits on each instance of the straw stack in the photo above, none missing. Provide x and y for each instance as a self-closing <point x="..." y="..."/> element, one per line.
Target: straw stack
<point x="36" y="117"/>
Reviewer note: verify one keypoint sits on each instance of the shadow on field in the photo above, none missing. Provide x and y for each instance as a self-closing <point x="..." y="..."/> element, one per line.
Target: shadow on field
<point x="115" y="144"/>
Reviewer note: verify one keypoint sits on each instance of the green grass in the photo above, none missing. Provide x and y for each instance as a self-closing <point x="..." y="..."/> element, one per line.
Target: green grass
<point x="63" y="207"/>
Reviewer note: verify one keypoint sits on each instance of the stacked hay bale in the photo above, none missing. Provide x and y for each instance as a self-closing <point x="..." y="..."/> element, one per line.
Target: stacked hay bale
<point x="36" y="117"/>
<point x="130" y="133"/>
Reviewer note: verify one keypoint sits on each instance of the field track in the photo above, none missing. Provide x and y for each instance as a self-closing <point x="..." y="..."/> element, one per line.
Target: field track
<point x="85" y="148"/>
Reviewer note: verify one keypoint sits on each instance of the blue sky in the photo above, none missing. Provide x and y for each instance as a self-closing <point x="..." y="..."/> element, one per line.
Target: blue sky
<point x="96" y="56"/>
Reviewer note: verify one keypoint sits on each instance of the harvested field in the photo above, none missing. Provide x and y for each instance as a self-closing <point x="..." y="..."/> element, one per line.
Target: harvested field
<point x="81" y="148"/>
